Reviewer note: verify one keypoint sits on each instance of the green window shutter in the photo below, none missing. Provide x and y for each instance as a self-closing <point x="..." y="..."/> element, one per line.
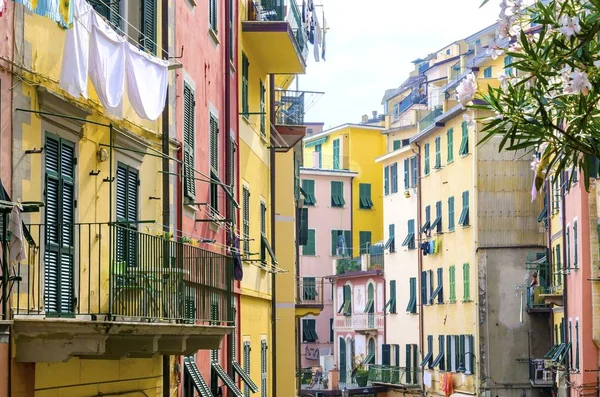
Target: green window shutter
<point x="189" y="161"/>
<point x="385" y="354"/>
<point x="507" y="69"/>
<point x="331" y="334"/>
<point x="426" y="169"/>
<point x="245" y="89"/>
<point x="397" y="144"/>
<point x="148" y="38"/>
<point x="391" y="244"/>
<point x="466" y="282"/>
<point x="558" y="265"/>
<point x="568" y="258"/>
<point x="394" y="177"/>
<point x="411" y="235"/>
<point x="213" y="15"/>
<point x="461" y="353"/>
<point x="412" y="302"/>
<point x="386" y="182"/>
<point x="393" y="296"/>
<point x="308" y="185"/>
<point x="406" y="174"/>
<point x="464" y="215"/>
<point x="263" y="218"/>
<point x="336" y="154"/>
<point x="575" y="246"/>
<point x="450" y="142"/>
<point x="334" y="239"/>
<point x="309" y="248"/>
<point x="126" y="210"/>
<point x="340" y="190"/>
<point x="115" y="15"/>
<point x="246" y="219"/>
<point x="452" y="277"/>
<point x="214" y="144"/>
<point x="364" y="193"/>
<point x="577" y="344"/>
<point x="449" y="352"/>
<point x="487" y="73"/>
<point x="415" y="175"/>
<point x="438" y="153"/>
<point x="450" y="213"/>
<point x="365" y="242"/>
<point x="263" y="110"/>
<point x="246" y="360"/>
<point x="407" y="364"/>
<point x="464" y="144"/>
<point x="348" y="242"/>
<point x="263" y="368"/>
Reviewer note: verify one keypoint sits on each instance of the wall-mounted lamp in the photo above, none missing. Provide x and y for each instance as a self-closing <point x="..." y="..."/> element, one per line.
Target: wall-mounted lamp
<point x="102" y="155"/>
<point x="407" y="194"/>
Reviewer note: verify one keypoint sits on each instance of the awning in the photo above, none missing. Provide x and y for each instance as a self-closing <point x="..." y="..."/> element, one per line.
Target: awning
<point x="264" y="240"/>
<point x="244" y="376"/>
<point x="199" y="384"/>
<point x="316" y="142"/>
<point x="233" y="389"/>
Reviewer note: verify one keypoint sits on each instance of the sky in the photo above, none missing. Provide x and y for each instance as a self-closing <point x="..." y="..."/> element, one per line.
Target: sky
<point x="370" y="46"/>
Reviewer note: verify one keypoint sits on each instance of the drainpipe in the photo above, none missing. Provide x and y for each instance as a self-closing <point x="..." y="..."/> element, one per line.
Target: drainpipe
<point x="273" y="275"/>
<point x="166" y="205"/>
<point x="419" y="253"/>
<point x="549" y="258"/>
<point x="563" y="190"/>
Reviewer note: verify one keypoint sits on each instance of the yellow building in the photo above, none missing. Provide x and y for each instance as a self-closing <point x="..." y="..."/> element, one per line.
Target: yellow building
<point x="272" y="51"/>
<point x="104" y="296"/>
<point x="353" y="147"/>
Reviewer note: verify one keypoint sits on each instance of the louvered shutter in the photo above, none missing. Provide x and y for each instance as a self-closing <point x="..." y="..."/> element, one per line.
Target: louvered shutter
<point x="386" y="354"/>
<point x="189" y="117"/>
<point x="343" y="352"/>
<point x="148" y="38"/>
<point x="126" y="207"/>
<point x="245" y="71"/>
<point x="348" y="242"/>
<point x="263" y="368"/>
<point x="408" y="359"/>
<point x="115" y="15"/>
<point x="263" y="110"/>
<point x="449" y="352"/>
<point x="423" y="287"/>
<point x="212" y="9"/>
<point x="461" y="352"/>
<point x="334" y="234"/>
<point x="132" y="208"/>
<point x="214" y="144"/>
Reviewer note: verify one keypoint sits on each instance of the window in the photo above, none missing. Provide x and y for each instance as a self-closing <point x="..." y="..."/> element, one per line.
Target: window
<point x="364" y="192"/>
<point x="437" y="223"/>
<point x="263" y="218"/>
<point x="577" y="345"/>
<point x="409" y="241"/>
<point x="466" y="342"/>
<point x="189" y="131"/>
<point x="439" y="360"/>
<point x="212" y="15"/>
<point x="397" y="144"/>
<point x="337" y="194"/>
<point x="464" y="143"/>
<point x="508" y="71"/>
<point x="452" y="277"/>
<point x="406" y="174"/>
<point x="426" y="159"/>
<point x="411" y="364"/>
<point x="246" y="219"/>
<point x="331" y="330"/>
<point x="558" y="267"/>
<point x="487" y="73"/>
<point x="438" y="154"/>
<point x="263" y="368"/>
<point x="318" y="150"/>
<point x="569" y="349"/>
<point x="415" y="174"/>
<point x="214" y="163"/>
<point x="59" y="191"/>
<point x="412" y="303"/>
<point x="464" y="215"/>
<point x="245" y="89"/>
<point x="386" y="180"/>
<point x="231" y="182"/>
<point x="309" y="131"/>
<point x="310" y="248"/>
<point x="426" y="287"/>
<point x="308" y="191"/>
<point x="428" y="359"/>
<point x="556" y="195"/>
<point x="364" y="241"/>
<point x="127" y="208"/>
<point x="452" y="353"/>
<point x="466" y="282"/>
<point x="568" y="238"/>
<point x="450" y="143"/>
<point x="451" y="214"/>
<point x="391" y="243"/>
<point x="341" y="243"/>
<point x="309" y="331"/>
<point x="391" y="303"/>
<point x="439" y="290"/>
<point x="575" y="246"/>
<point x="427" y="225"/>
<point x="336" y="154"/>
<point x="394" y="177"/>
<point x="346" y="304"/>
<point x="263" y="109"/>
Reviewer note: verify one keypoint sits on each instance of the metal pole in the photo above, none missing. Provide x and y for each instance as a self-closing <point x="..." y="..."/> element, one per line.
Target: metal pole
<point x="274" y="274"/>
<point x="4" y="266"/>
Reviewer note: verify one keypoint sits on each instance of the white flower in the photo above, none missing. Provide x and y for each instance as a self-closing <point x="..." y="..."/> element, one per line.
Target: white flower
<point x="569" y="26"/>
<point x="503" y="28"/>
<point x="578" y="83"/>
<point x="494" y="50"/>
<point x="504" y="79"/>
<point x="515" y="29"/>
<point x="535" y="163"/>
<point x="466" y="90"/>
<point x="470" y="122"/>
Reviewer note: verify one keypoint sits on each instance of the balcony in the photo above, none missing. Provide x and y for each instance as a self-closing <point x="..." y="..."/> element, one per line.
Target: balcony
<point x="539" y="375"/>
<point x="429" y="118"/>
<point x="549" y="284"/>
<point x="366" y="263"/>
<point x="273" y="32"/>
<point x="395" y="376"/>
<point x="360" y="322"/>
<point x="413" y="98"/>
<point x="321" y="161"/>
<point x="309" y="296"/>
<point x="108" y="291"/>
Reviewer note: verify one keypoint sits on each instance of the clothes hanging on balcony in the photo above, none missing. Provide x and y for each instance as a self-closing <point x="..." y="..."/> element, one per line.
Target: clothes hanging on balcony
<point x="447" y="384"/>
<point x="323" y="46"/>
<point x="60" y="11"/>
<point x="425" y="248"/>
<point x="16" y="247"/>
<point x="317" y="43"/>
<point x="74" y="73"/>
<point x="427" y="379"/>
<point x="238" y="269"/>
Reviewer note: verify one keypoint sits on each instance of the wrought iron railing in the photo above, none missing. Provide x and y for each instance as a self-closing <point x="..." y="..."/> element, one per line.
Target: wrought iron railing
<point x="392" y="375"/>
<point x="429" y="119"/>
<point x="309" y="291"/>
<point x="112" y="271"/>
<point x="289" y="107"/>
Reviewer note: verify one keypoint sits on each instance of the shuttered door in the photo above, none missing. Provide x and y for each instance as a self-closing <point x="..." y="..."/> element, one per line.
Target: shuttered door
<point x="408" y="361"/>
<point x="342" y="360"/>
<point x="126" y="206"/>
<point x="148" y="39"/>
<point x="58" y="255"/>
<point x="188" y="142"/>
<point x="263" y="368"/>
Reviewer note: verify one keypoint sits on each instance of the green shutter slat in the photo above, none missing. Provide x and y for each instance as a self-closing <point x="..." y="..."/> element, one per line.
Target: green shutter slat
<point x="426" y="159"/>
<point x="115" y="15"/>
<point x="450" y="143"/>
<point x="406" y="174"/>
<point x="213" y="14"/>
<point x="438" y="155"/>
<point x="407" y="363"/>
<point x="449" y="352"/>
<point x="188" y="142"/>
<point x="245" y="71"/>
<point x="386" y="182"/>
<point x="386" y="354"/>
<point x="466" y="282"/>
<point x="263" y="110"/>
<point x="334" y="234"/>
<point x="148" y="38"/>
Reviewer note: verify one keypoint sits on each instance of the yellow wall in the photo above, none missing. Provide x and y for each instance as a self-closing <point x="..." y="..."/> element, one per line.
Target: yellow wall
<point x="255" y="319"/>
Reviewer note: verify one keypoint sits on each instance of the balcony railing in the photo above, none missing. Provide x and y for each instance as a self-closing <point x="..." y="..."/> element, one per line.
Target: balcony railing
<point x="539" y="375"/>
<point x="110" y="271"/>
<point x="412" y="99"/>
<point x="392" y="375"/>
<point x="309" y="291"/>
<point x="429" y="119"/>
<point x="289" y="107"/>
<point x="360" y="321"/>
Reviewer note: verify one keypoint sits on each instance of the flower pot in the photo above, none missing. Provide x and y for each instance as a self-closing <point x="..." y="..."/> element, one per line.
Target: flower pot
<point x="362" y="379"/>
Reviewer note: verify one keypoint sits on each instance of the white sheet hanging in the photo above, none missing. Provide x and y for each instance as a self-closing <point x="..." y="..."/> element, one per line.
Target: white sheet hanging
<point x="107" y="65"/>
<point x="16" y="248"/>
<point x="147" y="82"/>
<point x="74" y="73"/>
<point x="317" y="43"/>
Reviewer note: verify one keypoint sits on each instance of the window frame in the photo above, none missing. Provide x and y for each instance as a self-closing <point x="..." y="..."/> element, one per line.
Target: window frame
<point x="450" y="145"/>
<point x="466" y="282"/>
<point x="426" y="167"/>
<point x="364" y="193"/>
<point x="438" y="152"/>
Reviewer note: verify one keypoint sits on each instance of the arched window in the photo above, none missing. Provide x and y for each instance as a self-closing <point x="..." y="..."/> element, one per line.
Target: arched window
<point x="370" y="352"/>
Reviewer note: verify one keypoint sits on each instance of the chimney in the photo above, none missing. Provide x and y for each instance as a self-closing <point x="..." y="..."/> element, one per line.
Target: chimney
<point x="365" y="118"/>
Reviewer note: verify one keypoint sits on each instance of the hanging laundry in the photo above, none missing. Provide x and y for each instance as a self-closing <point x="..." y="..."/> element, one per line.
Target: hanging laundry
<point x="238" y="269"/>
<point x="425" y="248"/>
<point x="317" y="42"/>
<point x="59" y="11"/>
<point x="323" y="46"/>
<point x="107" y="65"/>
<point x="438" y="245"/>
<point x="74" y="73"/>
<point x="16" y="247"/>
<point x="148" y="100"/>
<point x="432" y="247"/>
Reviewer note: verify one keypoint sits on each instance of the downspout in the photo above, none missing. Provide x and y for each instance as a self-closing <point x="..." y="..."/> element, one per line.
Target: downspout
<point x="166" y="205"/>
<point x="419" y="253"/>
<point x="297" y="341"/>
<point x="549" y="258"/>
<point x="273" y="246"/>
<point x="563" y="190"/>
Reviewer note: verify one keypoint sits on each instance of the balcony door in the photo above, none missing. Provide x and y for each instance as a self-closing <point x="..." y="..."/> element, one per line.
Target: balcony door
<point x="59" y="191"/>
<point x="127" y="208"/>
<point x="342" y="351"/>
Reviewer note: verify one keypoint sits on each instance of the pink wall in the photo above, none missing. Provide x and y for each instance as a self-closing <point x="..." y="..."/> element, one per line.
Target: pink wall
<point x="322" y="218"/>
<point x="579" y="296"/>
<point x="6" y="53"/>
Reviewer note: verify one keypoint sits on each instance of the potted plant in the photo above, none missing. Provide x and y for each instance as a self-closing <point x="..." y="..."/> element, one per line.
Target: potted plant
<point x="361" y="373"/>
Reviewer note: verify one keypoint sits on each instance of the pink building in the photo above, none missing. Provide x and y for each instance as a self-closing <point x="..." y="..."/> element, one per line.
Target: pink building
<point x="324" y="221"/>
